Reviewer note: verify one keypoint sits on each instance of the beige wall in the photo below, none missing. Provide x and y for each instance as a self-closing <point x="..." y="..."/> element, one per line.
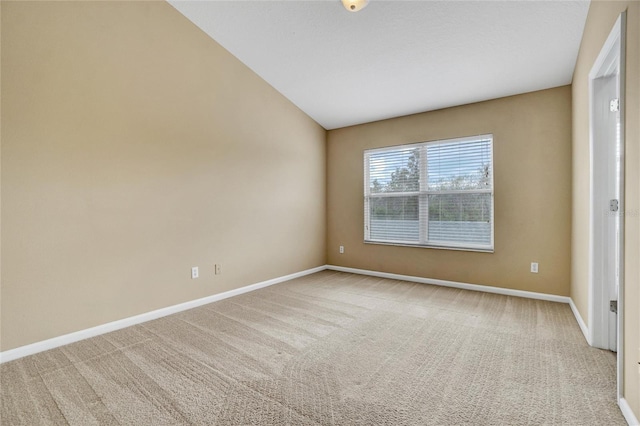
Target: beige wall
<point x="600" y="21"/>
<point x="135" y="147"/>
<point x="532" y="168"/>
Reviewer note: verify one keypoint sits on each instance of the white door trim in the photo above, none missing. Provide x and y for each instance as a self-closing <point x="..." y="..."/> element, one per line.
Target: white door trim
<point x="614" y="47"/>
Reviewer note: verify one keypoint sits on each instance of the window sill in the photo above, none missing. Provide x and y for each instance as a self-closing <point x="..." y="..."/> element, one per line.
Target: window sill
<point x="437" y="247"/>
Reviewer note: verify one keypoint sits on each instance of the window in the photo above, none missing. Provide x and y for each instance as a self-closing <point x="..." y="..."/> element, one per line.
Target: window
<point x="431" y="194"/>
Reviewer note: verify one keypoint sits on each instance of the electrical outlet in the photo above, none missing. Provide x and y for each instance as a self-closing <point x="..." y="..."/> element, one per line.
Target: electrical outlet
<point x="217" y="269"/>
<point x="194" y="273"/>
<point x="534" y="267"/>
<point x="341" y="249"/>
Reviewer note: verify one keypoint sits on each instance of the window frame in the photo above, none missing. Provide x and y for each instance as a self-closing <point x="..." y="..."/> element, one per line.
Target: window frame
<point x="423" y="196"/>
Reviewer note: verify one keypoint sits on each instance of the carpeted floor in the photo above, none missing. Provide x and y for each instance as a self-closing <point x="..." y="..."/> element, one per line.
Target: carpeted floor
<point x="327" y="349"/>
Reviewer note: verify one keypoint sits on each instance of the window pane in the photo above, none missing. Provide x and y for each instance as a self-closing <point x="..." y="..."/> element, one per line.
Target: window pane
<point x="437" y="194"/>
<point x="394" y="171"/>
<point x="459" y="165"/>
<point x="463" y="218"/>
<point x="394" y="219"/>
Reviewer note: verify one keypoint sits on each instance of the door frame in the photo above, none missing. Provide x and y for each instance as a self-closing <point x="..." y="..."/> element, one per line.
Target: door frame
<point x="612" y="51"/>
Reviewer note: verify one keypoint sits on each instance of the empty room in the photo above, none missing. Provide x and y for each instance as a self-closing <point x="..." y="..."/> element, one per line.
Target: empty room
<point x="333" y="212"/>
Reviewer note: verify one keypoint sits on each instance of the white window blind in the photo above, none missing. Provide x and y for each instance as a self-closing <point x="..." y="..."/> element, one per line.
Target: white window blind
<point x="434" y="194"/>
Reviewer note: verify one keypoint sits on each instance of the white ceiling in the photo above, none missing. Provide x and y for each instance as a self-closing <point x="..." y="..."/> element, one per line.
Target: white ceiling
<point x="396" y="57"/>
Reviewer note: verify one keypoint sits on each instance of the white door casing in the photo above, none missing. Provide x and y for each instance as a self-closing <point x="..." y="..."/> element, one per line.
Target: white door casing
<point x="606" y="250"/>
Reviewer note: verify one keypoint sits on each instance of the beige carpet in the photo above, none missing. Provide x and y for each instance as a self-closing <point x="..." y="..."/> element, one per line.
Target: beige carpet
<point x="327" y="349"/>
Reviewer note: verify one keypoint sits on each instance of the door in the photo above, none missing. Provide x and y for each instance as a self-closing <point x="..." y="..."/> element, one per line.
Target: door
<point x="607" y="169"/>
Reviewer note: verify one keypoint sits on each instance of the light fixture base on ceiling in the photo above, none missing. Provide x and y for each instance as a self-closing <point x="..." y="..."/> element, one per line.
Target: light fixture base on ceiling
<point x="354" y="5"/>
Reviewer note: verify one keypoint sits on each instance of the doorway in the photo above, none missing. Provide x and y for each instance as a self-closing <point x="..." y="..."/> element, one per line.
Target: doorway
<point x="606" y="248"/>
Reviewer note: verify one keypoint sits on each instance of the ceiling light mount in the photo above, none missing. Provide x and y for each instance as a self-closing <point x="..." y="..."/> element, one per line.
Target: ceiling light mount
<point x="354" y="5"/>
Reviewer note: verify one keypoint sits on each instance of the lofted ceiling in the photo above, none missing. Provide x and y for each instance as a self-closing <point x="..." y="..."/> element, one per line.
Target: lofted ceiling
<point x="396" y="57"/>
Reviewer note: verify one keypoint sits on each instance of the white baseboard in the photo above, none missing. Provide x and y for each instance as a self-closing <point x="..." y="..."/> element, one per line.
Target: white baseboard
<point x="454" y="284"/>
<point x="581" y="323"/>
<point x="65" y="339"/>
<point x="628" y="414"/>
<point x="158" y="313"/>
